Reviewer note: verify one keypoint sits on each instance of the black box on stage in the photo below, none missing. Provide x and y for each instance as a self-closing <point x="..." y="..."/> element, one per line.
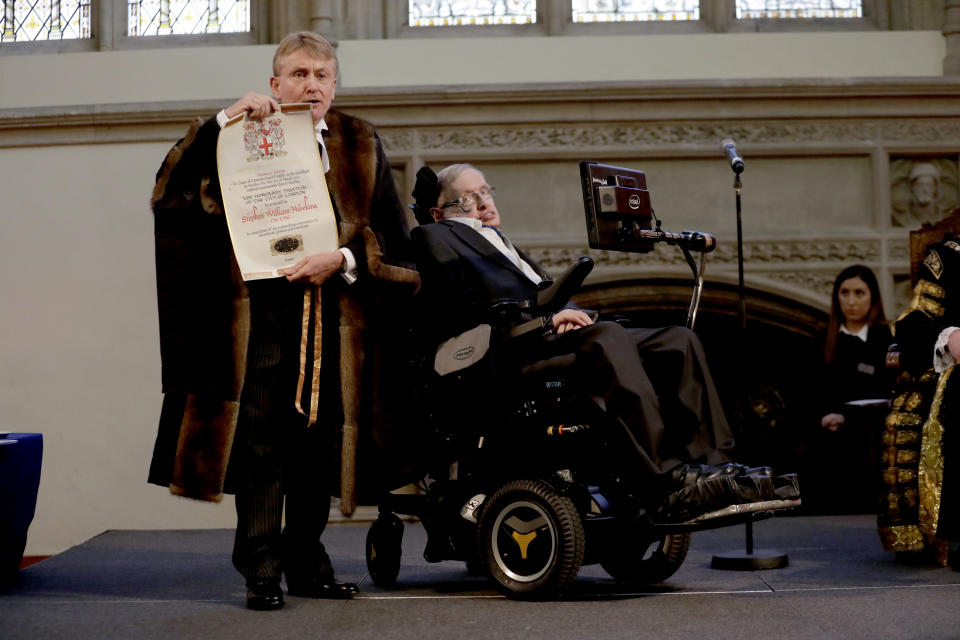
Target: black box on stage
<point x="617" y="205"/>
<point x="20" y="458"/>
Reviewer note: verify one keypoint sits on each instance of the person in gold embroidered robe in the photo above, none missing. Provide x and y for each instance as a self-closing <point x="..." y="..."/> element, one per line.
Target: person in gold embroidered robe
<point x="921" y="452"/>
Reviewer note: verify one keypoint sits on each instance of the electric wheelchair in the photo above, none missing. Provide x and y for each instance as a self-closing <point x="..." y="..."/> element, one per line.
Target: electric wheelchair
<point x="522" y="485"/>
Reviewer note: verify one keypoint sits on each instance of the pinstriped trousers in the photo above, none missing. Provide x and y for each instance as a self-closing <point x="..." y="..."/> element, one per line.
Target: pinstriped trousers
<point x="283" y="464"/>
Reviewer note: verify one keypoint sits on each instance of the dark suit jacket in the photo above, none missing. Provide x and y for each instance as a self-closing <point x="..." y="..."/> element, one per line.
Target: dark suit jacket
<point x="935" y="306"/>
<point x="462" y="273"/>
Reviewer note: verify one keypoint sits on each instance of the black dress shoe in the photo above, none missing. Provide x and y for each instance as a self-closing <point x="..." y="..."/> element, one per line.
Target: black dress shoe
<point x="953" y="556"/>
<point x="264" y="595"/>
<point x="708" y="492"/>
<point x="321" y="587"/>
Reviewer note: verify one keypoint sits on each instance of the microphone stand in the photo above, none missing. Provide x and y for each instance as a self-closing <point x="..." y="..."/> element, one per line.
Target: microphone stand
<point x="747" y="561"/>
<point x="737" y="185"/>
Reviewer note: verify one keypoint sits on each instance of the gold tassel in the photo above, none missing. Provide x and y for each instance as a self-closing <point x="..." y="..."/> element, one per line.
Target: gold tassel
<point x="310" y="295"/>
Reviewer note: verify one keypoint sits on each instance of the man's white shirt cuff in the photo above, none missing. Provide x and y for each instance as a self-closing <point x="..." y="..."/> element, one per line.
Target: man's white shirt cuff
<point x="349" y="268"/>
<point x="942" y="358"/>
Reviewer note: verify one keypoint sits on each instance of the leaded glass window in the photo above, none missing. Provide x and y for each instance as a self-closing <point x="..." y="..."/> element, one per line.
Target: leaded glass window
<point x="799" y="9"/>
<point x="26" y="20"/>
<point x="168" y="17"/>
<point x="446" y="13"/>
<point x="635" y="10"/>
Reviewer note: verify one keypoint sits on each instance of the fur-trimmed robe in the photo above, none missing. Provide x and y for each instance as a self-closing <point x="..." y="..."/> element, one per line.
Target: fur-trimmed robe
<point x="921" y="442"/>
<point x="204" y="304"/>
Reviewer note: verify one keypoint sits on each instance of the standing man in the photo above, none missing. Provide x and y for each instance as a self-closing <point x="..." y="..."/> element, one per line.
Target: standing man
<point x="244" y="364"/>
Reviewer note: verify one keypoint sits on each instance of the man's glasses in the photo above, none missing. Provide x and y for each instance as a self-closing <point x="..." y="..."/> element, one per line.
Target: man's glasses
<point x="468" y="201"/>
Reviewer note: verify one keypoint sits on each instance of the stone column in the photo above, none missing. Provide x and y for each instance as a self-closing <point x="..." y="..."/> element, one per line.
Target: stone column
<point x="951" y="31"/>
<point x="165" y="26"/>
<point x="56" y="30"/>
<point x="321" y="20"/>
<point x="8" y="33"/>
<point x="213" y="17"/>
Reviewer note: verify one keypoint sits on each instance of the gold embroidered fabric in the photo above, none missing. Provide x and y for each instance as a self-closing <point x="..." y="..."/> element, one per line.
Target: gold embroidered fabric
<point x="903" y="419"/>
<point x="930" y="473"/>
<point x="906" y="475"/>
<point x="906" y="456"/>
<point x="928" y="298"/>
<point x="898" y="521"/>
<point x="901" y="538"/>
<point x="927" y="288"/>
<point x="913" y="460"/>
<point x="931" y="306"/>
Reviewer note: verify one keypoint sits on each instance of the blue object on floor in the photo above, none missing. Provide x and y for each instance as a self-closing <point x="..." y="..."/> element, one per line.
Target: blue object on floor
<point x="20" y="457"/>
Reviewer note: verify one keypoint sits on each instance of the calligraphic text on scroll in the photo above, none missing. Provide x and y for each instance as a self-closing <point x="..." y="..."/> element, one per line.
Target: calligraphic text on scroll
<point x="274" y="191"/>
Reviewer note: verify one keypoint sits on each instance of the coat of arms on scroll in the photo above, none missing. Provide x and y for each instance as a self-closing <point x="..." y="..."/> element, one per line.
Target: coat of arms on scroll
<point x="263" y="139"/>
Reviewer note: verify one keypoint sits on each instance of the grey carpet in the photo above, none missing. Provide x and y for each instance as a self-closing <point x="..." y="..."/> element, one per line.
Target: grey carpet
<point x="180" y="584"/>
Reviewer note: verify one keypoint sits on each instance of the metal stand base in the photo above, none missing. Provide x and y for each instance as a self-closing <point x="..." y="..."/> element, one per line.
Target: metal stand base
<point x="764" y="559"/>
<point x="750" y="559"/>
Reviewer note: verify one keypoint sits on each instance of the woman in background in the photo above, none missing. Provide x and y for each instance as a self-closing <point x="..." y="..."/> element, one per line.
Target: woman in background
<point x="844" y="471"/>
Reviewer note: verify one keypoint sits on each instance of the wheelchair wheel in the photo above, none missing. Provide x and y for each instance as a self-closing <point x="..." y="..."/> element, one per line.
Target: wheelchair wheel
<point x="531" y="539"/>
<point x="384" y="540"/>
<point x="639" y="560"/>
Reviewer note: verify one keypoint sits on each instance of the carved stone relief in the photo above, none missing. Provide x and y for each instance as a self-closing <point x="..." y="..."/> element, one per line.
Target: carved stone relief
<point x="763" y="261"/>
<point x="648" y="136"/>
<point x="766" y="253"/>
<point x="922" y="189"/>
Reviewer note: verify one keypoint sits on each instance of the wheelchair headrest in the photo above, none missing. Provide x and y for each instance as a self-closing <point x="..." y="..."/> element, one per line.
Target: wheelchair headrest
<point x="425" y="194"/>
<point x="558" y="294"/>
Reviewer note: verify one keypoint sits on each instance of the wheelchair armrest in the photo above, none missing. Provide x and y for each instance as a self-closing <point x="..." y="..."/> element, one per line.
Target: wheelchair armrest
<point x="521" y="317"/>
<point x="538" y="324"/>
<point x="558" y="294"/>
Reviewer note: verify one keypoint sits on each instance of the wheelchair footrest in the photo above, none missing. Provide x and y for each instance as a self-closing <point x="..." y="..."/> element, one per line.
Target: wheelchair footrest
<point x="749" y="508"/>
<point x="730" y="515"/>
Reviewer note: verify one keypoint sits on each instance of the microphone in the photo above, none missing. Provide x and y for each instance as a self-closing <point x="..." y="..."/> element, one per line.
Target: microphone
<point x="730" y="150"/>
<point x="698" y="241"/>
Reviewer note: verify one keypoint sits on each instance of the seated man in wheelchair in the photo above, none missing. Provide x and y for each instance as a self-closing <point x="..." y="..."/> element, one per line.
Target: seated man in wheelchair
<point x="667" y="429"/>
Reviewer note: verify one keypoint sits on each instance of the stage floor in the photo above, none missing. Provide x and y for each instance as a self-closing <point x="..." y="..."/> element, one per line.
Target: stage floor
<point x="180" y="584"/>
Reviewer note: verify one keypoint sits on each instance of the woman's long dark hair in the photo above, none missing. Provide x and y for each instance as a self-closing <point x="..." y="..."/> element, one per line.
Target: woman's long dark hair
<point x="874" y="316"/>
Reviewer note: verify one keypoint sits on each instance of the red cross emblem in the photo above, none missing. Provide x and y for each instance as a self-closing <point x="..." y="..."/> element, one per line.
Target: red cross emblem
<point x="266" y="145"/>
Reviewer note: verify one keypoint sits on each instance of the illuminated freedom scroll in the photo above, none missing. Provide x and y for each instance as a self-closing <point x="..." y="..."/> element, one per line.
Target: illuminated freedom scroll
<point x="274" y="191"/>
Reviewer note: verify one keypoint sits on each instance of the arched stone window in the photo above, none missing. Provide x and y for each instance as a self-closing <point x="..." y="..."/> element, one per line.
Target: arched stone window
<point x="168" y="17"/>
<point x="31" y="20"/>
<point x="45" y="26"/>
<point x="799" y="9"/>
<point x="634" y="10"/>
<point x="471" y="18"/>
<point x="445" y="13"/>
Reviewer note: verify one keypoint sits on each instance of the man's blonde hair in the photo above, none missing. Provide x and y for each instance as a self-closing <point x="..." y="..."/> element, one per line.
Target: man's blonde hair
<point x="314" y="44"/>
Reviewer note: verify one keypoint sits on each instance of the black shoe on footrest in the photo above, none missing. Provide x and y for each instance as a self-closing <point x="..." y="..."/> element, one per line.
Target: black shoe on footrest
<point x="321" y="587"/>
<point x="264" y="595"/>
<point x="703" y="496"/>
<point x="687" y="475"/>
<point x="755" y="489"/>
<point x="787" y="486"/>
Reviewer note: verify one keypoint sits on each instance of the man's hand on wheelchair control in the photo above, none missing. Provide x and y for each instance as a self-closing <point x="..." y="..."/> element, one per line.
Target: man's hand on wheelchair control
<point x="316" y="269"/>
<point x="569" y="319"/>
